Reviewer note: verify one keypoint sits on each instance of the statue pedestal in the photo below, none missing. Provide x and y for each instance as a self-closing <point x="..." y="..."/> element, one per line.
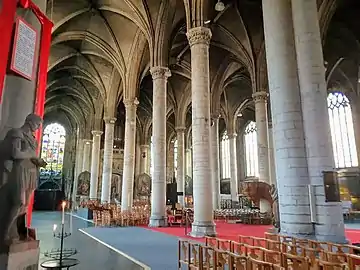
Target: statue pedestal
<point x="22" y="255"/>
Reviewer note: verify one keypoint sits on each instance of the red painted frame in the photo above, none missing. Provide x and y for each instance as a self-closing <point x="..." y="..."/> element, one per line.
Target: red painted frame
<point x="7" y="17"/>
<point x="36" y="54"/>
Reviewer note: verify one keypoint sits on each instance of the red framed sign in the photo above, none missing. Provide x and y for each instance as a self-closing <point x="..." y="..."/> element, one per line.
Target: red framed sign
<point x="24" y="49"/>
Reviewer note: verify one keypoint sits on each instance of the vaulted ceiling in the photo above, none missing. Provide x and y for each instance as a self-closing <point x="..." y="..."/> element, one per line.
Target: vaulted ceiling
<point x="102" y="51"/>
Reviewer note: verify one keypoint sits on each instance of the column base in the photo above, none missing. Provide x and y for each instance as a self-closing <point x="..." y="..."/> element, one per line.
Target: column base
<point x="156" y="221"/>
<point x="333" y="239"/>
<point x="201" y="229"/>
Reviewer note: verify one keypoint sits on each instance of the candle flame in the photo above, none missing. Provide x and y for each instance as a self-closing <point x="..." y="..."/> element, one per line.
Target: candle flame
<point x="63" y="204"/>
<point x="55" y="226"/>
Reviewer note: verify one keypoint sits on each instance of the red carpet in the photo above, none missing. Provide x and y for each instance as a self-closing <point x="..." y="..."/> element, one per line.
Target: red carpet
<point x="231" y="231"/>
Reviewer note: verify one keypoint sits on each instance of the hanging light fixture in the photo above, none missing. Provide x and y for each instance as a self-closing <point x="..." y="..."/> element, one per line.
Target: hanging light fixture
<point x="219" y="6"/>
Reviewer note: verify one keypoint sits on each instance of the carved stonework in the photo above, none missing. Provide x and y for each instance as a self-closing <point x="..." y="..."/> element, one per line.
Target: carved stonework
<point x="160" y="73"/>
<point x="143" y="186"/>
<point x="83" y="184"/>
<point x="19" y="175"/>
<point x="199" y="35"/>
<point x="260" y="96"/>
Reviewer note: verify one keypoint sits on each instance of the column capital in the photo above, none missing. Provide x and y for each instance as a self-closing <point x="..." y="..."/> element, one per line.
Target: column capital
<point x="160" y="72"/>
<point x="96" y="133"/>
<point x="180" y="129"/>
<point x="260" y="96"/>
<point x="109" y="120"/>
<point x="131" y="102"/>
<point x="142" y="146"/>
<point x="232" y="135"/>
<point x="199" y="35"/>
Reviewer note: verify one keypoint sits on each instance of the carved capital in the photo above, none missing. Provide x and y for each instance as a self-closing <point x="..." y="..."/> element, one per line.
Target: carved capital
<point x="260" y="96"/>
<point x="131" y="102"/>
<point x="160" y="73"/>
<point x="109" y="120"/>
<point x="96" y="133"/>
<point x="180" y="129"/>
<point x="199" y="35"/>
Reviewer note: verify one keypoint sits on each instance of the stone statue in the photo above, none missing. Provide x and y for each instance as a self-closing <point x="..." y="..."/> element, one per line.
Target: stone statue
<point x="275" y="206"/>
<point x="19" y="168"/>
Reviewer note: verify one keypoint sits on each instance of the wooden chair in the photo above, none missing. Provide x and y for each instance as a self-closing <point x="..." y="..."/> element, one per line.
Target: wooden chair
<point x="256" y="264"/>
<point x="295" y="262"/>
<point x="184" y="253"/>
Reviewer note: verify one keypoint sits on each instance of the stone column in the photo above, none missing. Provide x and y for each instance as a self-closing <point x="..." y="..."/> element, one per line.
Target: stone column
<point x="181" y="163"/>
<point x="95" y="163"/>
<point x="107" y="159"/>
<point x="158" y="192"/>
<point x="271" y="156"/>
<point x="241" y="157"/>
<point x="289" y="143"/>
<point x="329" y="224"/>
<point x="78" y="167"/>
<point x="189" y="162"/>
<point x="215" y="163"/>
<point x="234" y="187"/>
<point x="86" y="167"/>
<point x="355" y="112"/>
<point x="127" y="191"/>
<point x="199" y="40"/>
<point x="260" y="99"/>
<point x="144" y="164"/>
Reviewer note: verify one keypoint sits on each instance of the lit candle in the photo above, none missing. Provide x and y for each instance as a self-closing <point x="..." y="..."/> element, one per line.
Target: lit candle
<point x="55" y="226"/>
<point x="63" y="212"/>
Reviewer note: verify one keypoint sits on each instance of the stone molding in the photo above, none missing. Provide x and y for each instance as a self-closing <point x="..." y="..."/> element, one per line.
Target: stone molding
<point x="109" y="120"/>
<point x="180" y="129"/>
<point x="260" y="96"/>
<point x="160" y="73"/>
<point x="129" y="103"/>
<point x="199" y="35"/>
<point x="146" y="146"/>
<point x="232" y="135"/>
<point x="96" y="133"/>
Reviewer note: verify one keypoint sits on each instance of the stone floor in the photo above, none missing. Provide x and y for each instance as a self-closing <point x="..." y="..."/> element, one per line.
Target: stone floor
<point x="91" y="254"/>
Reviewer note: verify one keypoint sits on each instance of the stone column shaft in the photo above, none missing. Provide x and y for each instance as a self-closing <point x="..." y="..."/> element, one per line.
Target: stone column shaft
<point x="158" y="192"/>
<point x="87" y="156"/>
<point x="144" y="160"/>
<point x="290" y="155"/>
<point x="329" y="225"/>
<point x="260" y="99"/>
<point x="78" y="167"/>
<point x="271" y="157"/>
<point x="127" y="191"/>
<point x="107" y="159"/>
<point x="95" y="163"/>
<point x="234" y="187"/>
<point x="199" y="40"/>
<point x="215" y="163"/>
<point x="189" y="162"/>
<point x="181" y="163"/>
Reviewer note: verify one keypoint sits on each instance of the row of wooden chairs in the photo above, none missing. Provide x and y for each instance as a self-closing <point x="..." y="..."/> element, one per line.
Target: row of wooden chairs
<point x="246" y="216"/>
<point x="304" y="254"/>
<point x="197" y="256"/>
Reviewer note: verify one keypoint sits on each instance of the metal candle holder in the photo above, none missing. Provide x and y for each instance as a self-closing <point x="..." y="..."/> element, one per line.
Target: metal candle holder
<point x="60" y="254"/>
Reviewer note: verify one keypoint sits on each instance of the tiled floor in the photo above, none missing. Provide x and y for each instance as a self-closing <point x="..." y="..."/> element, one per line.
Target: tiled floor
<point x="91" y="254"/>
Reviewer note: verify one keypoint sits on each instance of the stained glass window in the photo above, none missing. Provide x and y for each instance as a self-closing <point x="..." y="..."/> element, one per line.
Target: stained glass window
<point x="225" y="156"/>
<point x="342" y="131"/>
<point x="53" y="148"/>
<point x="251" y="150"/>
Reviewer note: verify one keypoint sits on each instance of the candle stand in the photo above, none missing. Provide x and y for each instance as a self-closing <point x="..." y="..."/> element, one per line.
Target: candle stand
<point x="60" y="257"/>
